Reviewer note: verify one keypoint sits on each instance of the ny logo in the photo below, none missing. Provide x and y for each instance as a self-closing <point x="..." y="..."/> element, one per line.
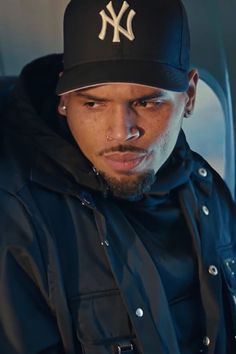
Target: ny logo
<point x="115" y="20"/>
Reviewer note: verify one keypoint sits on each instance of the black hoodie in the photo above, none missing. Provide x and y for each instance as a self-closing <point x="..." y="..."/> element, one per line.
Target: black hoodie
<point x="45" y="185"/>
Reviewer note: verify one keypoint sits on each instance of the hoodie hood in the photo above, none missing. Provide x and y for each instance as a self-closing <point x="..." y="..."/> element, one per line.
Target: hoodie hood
<point x="33" y="120"/>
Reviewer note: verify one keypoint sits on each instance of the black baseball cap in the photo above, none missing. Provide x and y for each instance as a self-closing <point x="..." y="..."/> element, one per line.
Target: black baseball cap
<point x="135" y="41"/>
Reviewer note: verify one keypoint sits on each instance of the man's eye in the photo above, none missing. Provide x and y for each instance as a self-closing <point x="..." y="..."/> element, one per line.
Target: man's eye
<point x="143" y="103"/>
<point x="91" y="104"/>
<point x="147" y="104"/>
<point x="94" y="104"/>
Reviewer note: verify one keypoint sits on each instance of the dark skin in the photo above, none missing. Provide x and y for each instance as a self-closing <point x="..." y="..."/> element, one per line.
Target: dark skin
<point x="127" y="130"/>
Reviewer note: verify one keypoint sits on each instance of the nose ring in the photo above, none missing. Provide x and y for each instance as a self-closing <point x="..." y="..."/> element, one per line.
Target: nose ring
<point x="109" y="138"/>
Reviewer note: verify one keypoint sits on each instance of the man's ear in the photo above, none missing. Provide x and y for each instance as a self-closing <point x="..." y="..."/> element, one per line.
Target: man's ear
<point x="191" y="92"/>
<point x="62" y="107"/>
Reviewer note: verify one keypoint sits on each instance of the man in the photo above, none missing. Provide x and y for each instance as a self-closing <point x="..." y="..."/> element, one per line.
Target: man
<point x="115" y="236"/>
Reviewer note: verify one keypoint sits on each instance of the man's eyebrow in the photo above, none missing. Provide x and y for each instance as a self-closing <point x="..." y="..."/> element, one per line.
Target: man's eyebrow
<point x="151" y="96"/>
<point x="87" y="96"/>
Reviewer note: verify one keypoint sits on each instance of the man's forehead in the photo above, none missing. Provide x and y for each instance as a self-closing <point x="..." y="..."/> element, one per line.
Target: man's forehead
<point x="126" y="90"/>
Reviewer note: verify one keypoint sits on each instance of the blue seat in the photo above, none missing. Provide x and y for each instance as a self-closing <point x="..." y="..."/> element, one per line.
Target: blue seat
<point x="7" y="83"/>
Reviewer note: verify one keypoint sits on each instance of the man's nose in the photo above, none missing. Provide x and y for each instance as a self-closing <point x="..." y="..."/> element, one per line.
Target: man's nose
<point x="123" y="124"/>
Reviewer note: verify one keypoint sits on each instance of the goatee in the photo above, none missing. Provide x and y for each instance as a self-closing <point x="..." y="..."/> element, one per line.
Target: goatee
<point x="130" y="189"/>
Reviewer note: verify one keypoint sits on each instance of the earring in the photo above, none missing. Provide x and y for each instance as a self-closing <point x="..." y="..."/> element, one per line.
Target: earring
<point x="64" y="108"/>
<point x="187" y="114"/>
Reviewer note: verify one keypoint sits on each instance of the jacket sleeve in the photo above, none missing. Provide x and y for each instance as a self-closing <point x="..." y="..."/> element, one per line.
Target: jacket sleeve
<point x="27" y="321"/>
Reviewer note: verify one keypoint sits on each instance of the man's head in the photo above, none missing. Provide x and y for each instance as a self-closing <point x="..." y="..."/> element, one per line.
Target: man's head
<point x="126" y="85"/>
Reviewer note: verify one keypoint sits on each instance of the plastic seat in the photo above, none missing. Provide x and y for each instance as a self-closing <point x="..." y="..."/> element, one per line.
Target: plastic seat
<point x="7" y="83"/>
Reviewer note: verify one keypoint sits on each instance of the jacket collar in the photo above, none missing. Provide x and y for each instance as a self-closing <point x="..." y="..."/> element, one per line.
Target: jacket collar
<point x="74" y="171"/>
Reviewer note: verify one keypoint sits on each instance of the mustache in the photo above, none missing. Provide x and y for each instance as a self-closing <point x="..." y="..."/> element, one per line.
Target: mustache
<point x="122" y="148"/>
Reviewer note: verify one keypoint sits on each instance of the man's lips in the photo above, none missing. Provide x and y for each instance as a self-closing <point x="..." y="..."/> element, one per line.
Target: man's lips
<point x="124" y="161"/>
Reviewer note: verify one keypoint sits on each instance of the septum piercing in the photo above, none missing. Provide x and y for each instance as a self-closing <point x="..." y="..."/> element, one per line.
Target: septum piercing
<point x="109" y="138"/>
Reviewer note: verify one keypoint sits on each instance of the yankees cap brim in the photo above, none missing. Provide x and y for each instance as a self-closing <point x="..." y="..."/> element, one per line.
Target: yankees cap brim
<point x="147" y="73"/>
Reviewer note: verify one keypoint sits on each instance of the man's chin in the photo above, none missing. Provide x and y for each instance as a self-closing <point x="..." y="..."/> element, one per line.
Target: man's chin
<point x="129" y="186"/>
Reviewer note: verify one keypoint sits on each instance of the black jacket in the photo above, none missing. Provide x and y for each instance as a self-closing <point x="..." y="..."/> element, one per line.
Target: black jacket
<point x="67" y="255"/>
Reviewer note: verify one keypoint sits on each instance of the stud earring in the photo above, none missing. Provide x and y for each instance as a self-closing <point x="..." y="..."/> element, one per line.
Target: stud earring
<point x="64" y="108"/>
<point x="187" y="114"/>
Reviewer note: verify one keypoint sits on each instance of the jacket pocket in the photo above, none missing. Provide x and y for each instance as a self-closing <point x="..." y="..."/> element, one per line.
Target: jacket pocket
<point x="228" y="265"/>
<point x="102" y="323"/>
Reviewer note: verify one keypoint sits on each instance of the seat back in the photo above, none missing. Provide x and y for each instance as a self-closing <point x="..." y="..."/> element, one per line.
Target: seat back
<point x="7" y="83"/>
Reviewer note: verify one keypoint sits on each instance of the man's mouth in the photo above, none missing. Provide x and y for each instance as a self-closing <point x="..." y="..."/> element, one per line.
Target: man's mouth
<point x="125" y="162"/>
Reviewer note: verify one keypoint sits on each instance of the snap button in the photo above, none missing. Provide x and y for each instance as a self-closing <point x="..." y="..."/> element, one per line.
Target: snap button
<point x="106" y="243"/>
<point x="213" y="270"/>
<point x="206" y="341"/>
<point x="124" y="348"/>
<point x="139" y="312"/>
<point x="202" y="172"/>
<point x="95" y="171"/>
<point x="230" y="265"/>
<point x="85" y="202"/>
<point x="205" y="210"/>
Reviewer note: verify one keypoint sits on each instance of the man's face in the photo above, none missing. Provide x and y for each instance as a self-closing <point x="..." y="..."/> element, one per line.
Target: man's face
<point x="126" y="131"/>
